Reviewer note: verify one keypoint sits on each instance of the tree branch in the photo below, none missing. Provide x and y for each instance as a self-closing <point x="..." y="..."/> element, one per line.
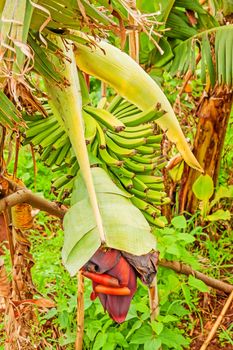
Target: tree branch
<point x="187" y="270"/>
<point x="25" y="196"/>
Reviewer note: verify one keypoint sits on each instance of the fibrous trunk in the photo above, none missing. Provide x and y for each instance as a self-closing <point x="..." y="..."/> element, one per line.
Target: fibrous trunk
<point x="213" y="113"/>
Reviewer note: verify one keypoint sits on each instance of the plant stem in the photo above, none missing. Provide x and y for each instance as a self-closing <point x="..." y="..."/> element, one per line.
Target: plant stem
<point x="80" y="312"/>
<point x="187" y="270"/>
<point x="133" y="35"/>
<point x="154" y="300"/>
<point x="217" y="323"/>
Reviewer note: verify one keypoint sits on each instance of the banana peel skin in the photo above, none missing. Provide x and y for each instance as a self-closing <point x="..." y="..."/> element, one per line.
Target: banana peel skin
<point x="111" y="265"/>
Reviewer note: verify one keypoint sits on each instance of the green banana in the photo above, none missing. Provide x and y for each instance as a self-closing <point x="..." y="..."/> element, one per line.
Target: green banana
<point x="73" y="170"/>
<point x="106" y="118"/>
<point x="155" y="197"/>
<point x="62" y="141"/>
<point x="65" y="190"/>
<point x="37" y="127"/>
<point x="49" y="140"/>
<point x="122" y="106"/>
<point x="139" y="185"/>
<point x="126" y="182"/>
<point x="94" y="147"/>
<point x="40" y="121"/>
<point x="159" y="166"/>
<point x="108" y="159"/>
<point x="101" y="137"/>
<point x="144" y="206"/>
<point x="127" y="143"/>
<point x="139" y="203"/>
<point x="146" y="150"/>
<point x="156" y="186"/>
<point x="139" y="127"/>
<point x="154" y="221"/>
<point x="141" y="168"/>
<point x="155" y="139"/>
<point x="102" y="103"/>
<point x="63" y="153"/>
<point x="143" y="117"/>
<point x="123" y="172"/>
<point x="144" y="160"/>
<point x="137" y="134"/>
<point x="51" y="160"/>
<point x="135" y="167"/>
<point x="70" y="157"/>
<point x="124" y="152"/>
<point x="60" y="181"/>
<point x="90" y="128"/>
<point x="46" y="152"/>
<point x="149" y="179"/>
<point x="116" y="101"/>
<point x="126" y="112"/>
<point x="166" y="200"/>
<point x="36" y="140"/>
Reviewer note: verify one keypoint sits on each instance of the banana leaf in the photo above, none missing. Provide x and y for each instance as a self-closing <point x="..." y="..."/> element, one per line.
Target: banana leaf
<point x="124" y="225"/>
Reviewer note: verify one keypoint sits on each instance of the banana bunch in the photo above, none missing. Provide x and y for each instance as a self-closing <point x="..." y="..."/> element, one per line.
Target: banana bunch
<point x="52" y="143"/>
<point x="123" y="139"/>
<point x="131" y="153"/>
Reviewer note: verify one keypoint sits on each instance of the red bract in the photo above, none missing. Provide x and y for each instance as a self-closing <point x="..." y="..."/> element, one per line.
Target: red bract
<point x="112" y="263"/>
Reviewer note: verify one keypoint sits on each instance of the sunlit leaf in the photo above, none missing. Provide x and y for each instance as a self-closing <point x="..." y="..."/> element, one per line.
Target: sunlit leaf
<point x="219" y="215"/>
<point x="203" y="187"/>
<point x="198" y="284"/>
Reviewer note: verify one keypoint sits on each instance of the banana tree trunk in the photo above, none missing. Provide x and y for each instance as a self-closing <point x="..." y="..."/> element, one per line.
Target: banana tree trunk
<point x="213" y="113"/>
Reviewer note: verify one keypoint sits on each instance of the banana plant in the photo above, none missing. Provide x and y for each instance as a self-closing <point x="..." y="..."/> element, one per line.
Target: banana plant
<point x="97" y="204"/>
<point x="102" y="214"/>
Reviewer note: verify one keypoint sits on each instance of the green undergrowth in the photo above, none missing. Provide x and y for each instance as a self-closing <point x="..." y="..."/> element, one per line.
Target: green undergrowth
<point x="182" y="240"/>
<point x="179" y="295"/>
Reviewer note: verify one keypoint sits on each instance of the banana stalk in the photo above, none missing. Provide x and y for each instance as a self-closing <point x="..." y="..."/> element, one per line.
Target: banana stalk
<point x="121" y="72"/>
<point x="67" y="102"/>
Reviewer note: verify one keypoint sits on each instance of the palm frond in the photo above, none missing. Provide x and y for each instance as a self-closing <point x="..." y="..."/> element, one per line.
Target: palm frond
<point x="179" y="25"/>
<point x="69" y="14"/>
<point x="190" y="5"/>
<point x="9" y="115"/>
<point x="182" y="20"/>
<point x="216" y="47"/>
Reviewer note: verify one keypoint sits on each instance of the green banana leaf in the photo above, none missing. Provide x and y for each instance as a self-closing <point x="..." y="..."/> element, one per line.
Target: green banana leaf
<point x="124" y="225"/>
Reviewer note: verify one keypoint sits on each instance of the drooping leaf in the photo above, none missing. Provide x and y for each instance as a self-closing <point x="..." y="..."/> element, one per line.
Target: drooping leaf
<point x="119" y="70"/>
<point x="66" y="102"/>
<point x="190" y="5"/>
<point x="222" y="70"/>
<point x="9" y="115"/>
<point x="206" y="52"/>
<point x="124" y="226"/>
<point x="180" y="28"/>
